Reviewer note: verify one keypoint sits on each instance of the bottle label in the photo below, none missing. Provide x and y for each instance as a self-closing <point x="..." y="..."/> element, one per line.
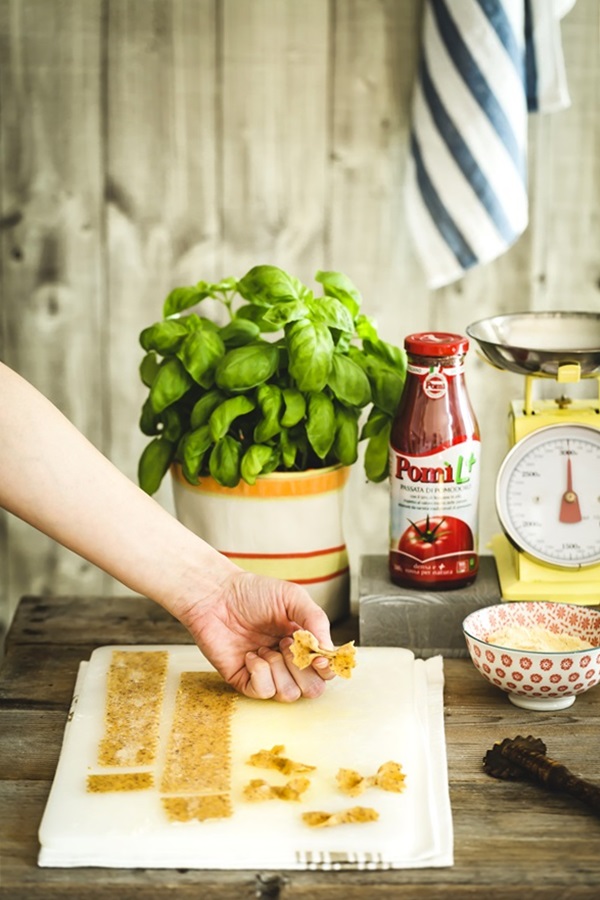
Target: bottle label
<point x="434" y="379"/>
<point x="434" y="513"/>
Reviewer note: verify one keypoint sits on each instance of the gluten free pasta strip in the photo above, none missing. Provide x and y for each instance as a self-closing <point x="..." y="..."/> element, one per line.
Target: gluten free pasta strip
<point x="134" y="696"/>
<point x="198" y="757"/>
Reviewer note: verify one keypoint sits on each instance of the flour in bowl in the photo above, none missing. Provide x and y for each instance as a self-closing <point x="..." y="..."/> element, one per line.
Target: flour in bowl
<point x="535" y="638"/>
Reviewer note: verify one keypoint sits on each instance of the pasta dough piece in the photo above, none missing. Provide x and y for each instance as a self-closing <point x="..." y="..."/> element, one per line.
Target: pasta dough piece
<point x="258" y="790"/>
<point x="344" y="817"/>
<point x="389" y="777"/>
<point x="272" y="759"/>
<point x="305" y="648"/>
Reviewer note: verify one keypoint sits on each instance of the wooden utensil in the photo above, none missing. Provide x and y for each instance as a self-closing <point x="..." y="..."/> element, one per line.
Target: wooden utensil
<point x="524" y="758"/>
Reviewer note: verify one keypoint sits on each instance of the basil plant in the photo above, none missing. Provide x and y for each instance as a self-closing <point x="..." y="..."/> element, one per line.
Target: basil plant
<point x="293" y="381"/>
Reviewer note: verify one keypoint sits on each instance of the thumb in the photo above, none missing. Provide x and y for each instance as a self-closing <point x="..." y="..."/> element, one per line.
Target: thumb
<point x="303" y="610"/>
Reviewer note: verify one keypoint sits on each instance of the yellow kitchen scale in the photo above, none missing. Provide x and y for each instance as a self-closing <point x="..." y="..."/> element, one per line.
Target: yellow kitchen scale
<point x="548" y="486"/>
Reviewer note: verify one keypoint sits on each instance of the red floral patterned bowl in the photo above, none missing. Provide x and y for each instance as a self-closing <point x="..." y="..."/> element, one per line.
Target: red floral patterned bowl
<point x="536" y="679"/>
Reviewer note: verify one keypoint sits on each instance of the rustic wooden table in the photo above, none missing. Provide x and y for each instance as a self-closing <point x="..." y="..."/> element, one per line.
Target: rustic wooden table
<point x="511" y="840"/>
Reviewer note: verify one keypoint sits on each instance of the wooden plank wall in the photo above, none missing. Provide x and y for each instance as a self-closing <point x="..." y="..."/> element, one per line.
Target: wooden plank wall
<point x="150" y="143"/>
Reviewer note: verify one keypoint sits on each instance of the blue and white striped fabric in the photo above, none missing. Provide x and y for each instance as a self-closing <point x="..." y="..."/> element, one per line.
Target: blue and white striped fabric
<point x="485" y="64"/>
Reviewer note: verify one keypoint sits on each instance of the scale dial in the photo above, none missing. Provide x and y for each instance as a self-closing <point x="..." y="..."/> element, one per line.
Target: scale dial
<point x="548" y="495"/>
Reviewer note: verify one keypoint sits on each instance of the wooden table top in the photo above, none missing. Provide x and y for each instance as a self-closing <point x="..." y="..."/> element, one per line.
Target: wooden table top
<point x="510" y="839"/>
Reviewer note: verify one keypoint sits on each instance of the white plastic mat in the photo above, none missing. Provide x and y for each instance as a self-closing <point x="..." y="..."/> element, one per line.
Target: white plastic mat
<point x="391" y="709"/>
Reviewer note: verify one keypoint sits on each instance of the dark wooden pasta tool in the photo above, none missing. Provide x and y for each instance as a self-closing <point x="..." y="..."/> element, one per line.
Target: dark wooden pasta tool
<point x="524" y="759"/>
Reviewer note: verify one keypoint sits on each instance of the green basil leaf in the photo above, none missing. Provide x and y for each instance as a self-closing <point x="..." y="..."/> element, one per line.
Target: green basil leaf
<point x="333" y="313"/>
<point x="192" y="450"/>
<point x="338" y="285"/>
<point x="246" y="367"/>
<point x="226" y="413"/>
<point x="345" y="445"/>
<point x="366" y="328"/>
<point x="254" y="460"/>
<point x="286" y="311"/>
<point x="310" y="347"/>
<point x="256" y="314"/>
<point x="183" y="297"/>
<point x="289" y="447"/>
<point x="270" y="402"/>
<point x="148" y="368"/>
<point x="387" y="383"/>
<point x="239" y="332"/>
<point x="164" y="337"/>
<point x="154" y="463"/>
<point x="348" y="381"/>
<point x="387" y="390"/>
<point x="170" y="384"/>
<point x="224" y="461"/>
<point x="320" y="424"/>
<point x="272" y="464"/>
<point x="394" y="356"/>
<point x="203" y="407"/>
<point x="224" y="285"/>
<point x="375" y="422"/>
<point x="265" y="285"/>
<point x="295" y="407"/>
<point x="149" y="419"/>
<point x="342" y="341"/>
<point x="377" y="454"/>
<point x="200" y="353"/>
<point x="194" y="322"/>
<point x="171" y="424"/>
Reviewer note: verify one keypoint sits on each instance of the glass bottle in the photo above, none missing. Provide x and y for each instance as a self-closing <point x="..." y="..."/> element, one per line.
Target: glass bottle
<point x="434" y="469"/>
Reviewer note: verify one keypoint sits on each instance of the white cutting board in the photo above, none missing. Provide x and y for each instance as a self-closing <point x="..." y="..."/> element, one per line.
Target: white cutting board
<point x="378" y="715"/>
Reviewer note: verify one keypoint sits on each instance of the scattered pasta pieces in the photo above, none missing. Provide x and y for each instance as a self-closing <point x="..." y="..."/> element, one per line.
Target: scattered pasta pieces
<point x="258" y="790"/>
<point x="344" y="817"/>
<point x="272" y="759"/>
<point x="305" y="648"/>
<point x="389" y="777"/>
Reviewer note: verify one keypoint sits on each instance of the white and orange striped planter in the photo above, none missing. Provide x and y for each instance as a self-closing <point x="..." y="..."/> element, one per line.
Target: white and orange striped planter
<point x="288" y="525"/>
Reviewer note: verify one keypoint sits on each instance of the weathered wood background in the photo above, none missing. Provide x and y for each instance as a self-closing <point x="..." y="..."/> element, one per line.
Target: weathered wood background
<point x="151" y="143"/>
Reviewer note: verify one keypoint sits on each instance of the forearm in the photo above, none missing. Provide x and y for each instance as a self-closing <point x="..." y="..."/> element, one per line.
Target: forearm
<point x="56" y="480"/>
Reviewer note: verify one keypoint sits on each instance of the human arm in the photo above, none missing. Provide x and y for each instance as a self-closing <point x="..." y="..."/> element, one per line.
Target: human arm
<point x="53" y="478"/>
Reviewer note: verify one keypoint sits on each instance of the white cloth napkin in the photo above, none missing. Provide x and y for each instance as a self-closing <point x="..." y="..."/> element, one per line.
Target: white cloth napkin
<point x="485" y="64"/>
<point x="392" y="708"/>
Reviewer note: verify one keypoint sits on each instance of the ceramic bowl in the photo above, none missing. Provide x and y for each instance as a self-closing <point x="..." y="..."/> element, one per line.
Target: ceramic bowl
<point x="537" y="680"/>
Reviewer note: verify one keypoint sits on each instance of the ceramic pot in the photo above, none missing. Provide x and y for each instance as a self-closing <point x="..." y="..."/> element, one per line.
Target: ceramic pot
<point x="288" y="525"/>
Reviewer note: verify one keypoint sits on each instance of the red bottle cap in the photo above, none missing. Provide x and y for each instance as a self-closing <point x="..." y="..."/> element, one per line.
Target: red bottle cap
<point x="436" y="343"/>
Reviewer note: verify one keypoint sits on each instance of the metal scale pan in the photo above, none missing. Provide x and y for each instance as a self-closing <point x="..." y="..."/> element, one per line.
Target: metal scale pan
<point x="534" y="343"/>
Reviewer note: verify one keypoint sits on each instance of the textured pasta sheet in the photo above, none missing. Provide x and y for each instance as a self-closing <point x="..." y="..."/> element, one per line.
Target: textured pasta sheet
<point x="164" y="765"/>
<point x="199" y="749"/>
<point x="134" y="697"/>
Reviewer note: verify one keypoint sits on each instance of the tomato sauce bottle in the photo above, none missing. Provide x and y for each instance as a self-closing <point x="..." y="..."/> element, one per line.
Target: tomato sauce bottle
<point x="434" y="469"/>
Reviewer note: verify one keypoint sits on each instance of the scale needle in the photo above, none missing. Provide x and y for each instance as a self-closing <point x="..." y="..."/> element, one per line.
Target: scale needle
<point x="569" y="506"/>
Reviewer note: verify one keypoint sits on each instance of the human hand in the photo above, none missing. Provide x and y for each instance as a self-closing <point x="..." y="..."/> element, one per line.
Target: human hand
<point x="244" y="630"/>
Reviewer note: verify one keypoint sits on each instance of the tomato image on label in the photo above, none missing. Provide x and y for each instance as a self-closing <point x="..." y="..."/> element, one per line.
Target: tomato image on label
<point x="435" y="548"/>
<point x="436" y="536"/>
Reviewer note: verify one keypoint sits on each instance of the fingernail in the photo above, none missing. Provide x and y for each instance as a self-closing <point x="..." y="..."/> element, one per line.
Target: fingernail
<point x="251" y="655"/>
<point x="285" y="642"/>
<point x="321" y="663"/>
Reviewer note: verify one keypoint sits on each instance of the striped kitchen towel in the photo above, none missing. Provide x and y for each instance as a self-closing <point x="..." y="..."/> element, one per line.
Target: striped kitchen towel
<point x="485" y="64"/>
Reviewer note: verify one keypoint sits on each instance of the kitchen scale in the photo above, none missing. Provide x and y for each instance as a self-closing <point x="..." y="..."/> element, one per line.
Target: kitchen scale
<point x="548" y="486"/>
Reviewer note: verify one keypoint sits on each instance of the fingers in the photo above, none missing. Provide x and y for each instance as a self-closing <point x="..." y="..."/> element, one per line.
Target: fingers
<point x="260" y="685"/>
<point x="273" y="675"/>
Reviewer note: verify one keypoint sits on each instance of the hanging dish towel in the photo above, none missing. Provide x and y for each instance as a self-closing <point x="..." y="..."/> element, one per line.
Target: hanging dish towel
<point x="485" y="64"/>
